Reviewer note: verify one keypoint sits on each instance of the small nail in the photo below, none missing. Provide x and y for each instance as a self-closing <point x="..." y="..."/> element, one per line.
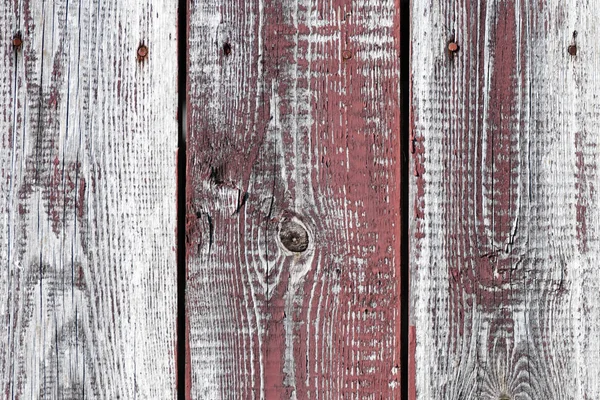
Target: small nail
<point x="17" y="40"/>
<point x="346" y="54"/>
<point x="142" y="52"/>
<point x="452" y="47"/>
<point x="572" y="50"/>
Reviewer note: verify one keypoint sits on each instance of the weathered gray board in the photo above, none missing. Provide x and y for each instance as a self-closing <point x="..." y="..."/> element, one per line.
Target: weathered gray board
<point x="88" y="135"/>
<point x="505" y="248"/>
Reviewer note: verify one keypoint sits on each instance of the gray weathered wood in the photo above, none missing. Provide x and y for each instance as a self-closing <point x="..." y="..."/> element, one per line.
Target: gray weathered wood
<point x="88" y="136"/>
<point x="505" y="242"/>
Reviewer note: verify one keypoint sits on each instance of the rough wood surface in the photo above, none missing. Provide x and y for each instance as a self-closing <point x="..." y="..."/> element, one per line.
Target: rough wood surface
<point x="293" y="200"/>
<point x="88" y="136"/>
<point x="504" y="277"/>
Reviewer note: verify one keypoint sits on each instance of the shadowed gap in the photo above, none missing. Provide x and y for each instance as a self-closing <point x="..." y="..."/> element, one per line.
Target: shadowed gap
<point x="404" y="192"/>
<point x="182" y="40"/>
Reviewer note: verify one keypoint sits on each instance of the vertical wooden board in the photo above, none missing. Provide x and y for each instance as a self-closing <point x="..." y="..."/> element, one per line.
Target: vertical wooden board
<point x="293" y="208"/>
<point x="88" y="136"/>
<point x="504" y="249"/>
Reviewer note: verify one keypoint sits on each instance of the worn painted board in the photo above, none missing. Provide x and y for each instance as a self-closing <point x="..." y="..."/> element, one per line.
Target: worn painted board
<point x="505" y="299"/>
<point x="88" y="136"/>
<point x="293" y="200"/>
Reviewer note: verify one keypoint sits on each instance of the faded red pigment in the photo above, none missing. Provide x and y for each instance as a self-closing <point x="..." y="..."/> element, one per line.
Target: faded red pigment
<point x="412" y="367"/>
<point x="585" y="176"/>
<point x="310" y="139"/>
<point x="477" y="147"/>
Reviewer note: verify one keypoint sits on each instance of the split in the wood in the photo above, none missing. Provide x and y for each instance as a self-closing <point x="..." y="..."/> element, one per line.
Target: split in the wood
<point x="227" y="48"/>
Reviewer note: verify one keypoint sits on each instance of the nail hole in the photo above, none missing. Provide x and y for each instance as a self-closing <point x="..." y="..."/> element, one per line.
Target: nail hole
<point x="142" y="52"/>
<point x="227" y="48"/>
<point x="293" y="236"/>
<point x="572" y="50"/>
<point x="452" y="47"/>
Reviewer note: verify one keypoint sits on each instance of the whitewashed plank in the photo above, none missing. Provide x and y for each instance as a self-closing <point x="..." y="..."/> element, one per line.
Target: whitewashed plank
<point x="88" y="135"/>
<point x="506" y="221"/>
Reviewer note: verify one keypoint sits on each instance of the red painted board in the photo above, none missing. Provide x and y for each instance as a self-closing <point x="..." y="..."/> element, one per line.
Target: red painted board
<point x="293" y="199"/>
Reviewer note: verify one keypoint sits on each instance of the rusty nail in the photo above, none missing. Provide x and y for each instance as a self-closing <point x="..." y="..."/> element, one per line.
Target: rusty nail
<point x="452" y="47"/>
<point x="346" y="54"/>
<point x="142" y="52"/>
<point x="17" y="40"/>
<point x="572" y="50"/>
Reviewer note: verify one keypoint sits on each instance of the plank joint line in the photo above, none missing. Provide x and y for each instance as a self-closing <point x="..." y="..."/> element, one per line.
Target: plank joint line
<point x="181" y="195"/>
<point x="404" y="193"/>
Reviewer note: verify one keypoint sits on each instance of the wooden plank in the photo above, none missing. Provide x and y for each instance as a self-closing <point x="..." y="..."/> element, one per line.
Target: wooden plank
<point x="88" y="135"/>
<point x="293" y="199"/>
<point x="504" y="251"/>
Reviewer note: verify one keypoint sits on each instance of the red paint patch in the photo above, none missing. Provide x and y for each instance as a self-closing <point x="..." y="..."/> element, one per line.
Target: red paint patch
<point x="188" y="361"/>
<point x="412" y="368"/>
<point x="584" y="178"/>
<point x="63" y="194"/>
<point x="81" y="197"/>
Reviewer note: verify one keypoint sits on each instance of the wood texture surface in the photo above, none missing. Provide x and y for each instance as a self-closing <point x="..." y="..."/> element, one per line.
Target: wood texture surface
<point x="505" y="225"/>
<point x="88" y="135"/>
<point x="293" y="201"/>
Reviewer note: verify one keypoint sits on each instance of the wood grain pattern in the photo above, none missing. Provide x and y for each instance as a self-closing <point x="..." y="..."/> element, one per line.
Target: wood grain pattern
<point x="505" y="249"/>
<point x="293" y="202"/>
<point x="88" y="136"/>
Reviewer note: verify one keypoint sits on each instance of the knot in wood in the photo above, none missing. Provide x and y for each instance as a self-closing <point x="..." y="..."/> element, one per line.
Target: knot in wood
<point x="293" y="236"/>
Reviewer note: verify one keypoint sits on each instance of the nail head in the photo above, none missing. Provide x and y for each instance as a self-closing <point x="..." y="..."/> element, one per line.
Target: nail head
<point x="346" y="54"/>
<point x="17" y="41"/>
<point x="572" y="50"/>
<point x="452" y="47"/>
<point x="142" y="52"/>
